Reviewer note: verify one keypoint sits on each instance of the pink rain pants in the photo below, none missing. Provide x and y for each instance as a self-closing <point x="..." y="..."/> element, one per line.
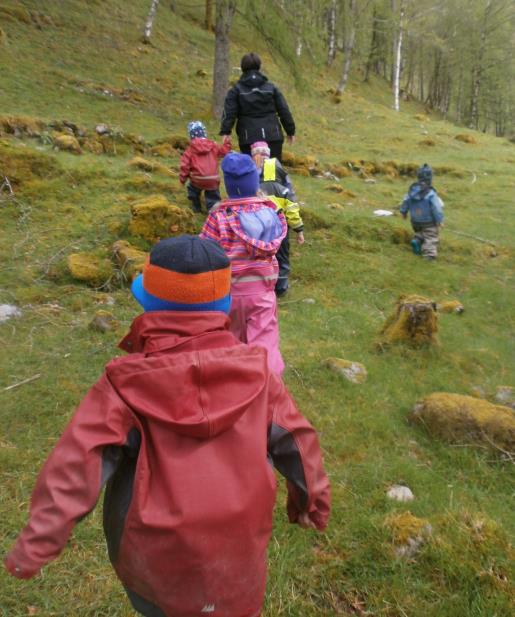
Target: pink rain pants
<point x="254" y="314"/>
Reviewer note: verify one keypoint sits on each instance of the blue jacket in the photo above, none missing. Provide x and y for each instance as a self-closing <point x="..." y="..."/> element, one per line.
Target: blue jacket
<point x="423" y="204"/>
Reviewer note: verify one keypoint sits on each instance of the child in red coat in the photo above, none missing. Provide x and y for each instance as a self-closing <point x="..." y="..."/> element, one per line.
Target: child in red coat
<point x="184" y="431"/>
<point x="199" y="163"/>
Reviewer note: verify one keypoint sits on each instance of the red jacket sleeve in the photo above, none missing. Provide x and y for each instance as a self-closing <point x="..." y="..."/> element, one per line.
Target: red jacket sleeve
<point x="184" y="171"/>
<point x="70" y="481"/>
<point x="225" y="148"/>
<point x="295" y="451"/>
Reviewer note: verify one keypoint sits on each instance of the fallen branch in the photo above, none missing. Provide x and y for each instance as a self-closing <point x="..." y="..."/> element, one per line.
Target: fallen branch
<point x="7" y="185"/>
<point x="462" y="233"/>
<point x="21" y="383"/>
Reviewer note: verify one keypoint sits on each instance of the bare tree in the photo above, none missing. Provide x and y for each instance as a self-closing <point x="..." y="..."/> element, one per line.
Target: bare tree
<point x="208" y="21"/>
<point x="331" y="32"/>
<point x="397" y="55"/>
<point x="225" y="10"/>
<point x="348" y="47"/>
<point x="150" y="21"/>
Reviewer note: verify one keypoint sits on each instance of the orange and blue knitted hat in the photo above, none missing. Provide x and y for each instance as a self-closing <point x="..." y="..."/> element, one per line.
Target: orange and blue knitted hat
<point x="186" y="273"/>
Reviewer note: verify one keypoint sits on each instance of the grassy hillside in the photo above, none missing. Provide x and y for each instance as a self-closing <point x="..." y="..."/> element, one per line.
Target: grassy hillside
<point x="83" y="63"/>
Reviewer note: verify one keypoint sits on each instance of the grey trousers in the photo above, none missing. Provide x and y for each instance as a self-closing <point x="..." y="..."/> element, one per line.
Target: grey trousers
<point x="428" y="238"/>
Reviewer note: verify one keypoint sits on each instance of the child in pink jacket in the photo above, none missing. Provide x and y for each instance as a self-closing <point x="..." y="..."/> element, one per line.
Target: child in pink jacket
<point x="250" y="230"/>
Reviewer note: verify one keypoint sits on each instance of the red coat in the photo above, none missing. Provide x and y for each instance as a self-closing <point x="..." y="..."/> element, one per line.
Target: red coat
<point x="181" y="430"/>
<point x="199" y="163"/>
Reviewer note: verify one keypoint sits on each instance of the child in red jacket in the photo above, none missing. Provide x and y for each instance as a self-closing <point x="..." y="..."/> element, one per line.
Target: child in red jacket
<point x="199" y="163"/>
<point x="182" y="431"/>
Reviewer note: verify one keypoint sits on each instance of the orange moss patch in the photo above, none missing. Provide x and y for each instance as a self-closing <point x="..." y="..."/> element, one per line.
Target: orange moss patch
<point x="69" y="143"/>
<point x="404" y="526"/>
<point x="151" y="166"/>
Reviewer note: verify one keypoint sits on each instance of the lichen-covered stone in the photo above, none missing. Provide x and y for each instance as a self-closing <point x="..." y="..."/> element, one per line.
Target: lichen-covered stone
<point x="63" y="141"/>
<point x="154" y="218"/>
<point x="129" y="258"/>
<point x="90" y="268"/>
<point x="103" y="321"/>
<point x="414" y="321"/>
<point x="93" y="145"/>
<point x="354" y="372"/>
<point x="21" y="126"/>
<point x="505" y="395"/>
<point x="457" y="418"/>
<point x="409" y="533"/>
<point x="400" y="492"/>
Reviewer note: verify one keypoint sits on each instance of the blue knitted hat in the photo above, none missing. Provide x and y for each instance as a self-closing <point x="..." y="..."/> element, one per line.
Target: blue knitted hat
<point x="196" y="128"/>
<point x="241" y="176"/>
<point x="425" y="174"/>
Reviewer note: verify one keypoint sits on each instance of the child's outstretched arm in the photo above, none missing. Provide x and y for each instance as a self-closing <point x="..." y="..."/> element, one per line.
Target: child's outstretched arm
<point x="72" y="478"/>
<point x="295" y="451"/>
<point x="184" y="171"/>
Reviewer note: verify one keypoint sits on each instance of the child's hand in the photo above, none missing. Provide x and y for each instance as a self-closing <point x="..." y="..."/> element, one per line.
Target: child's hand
<point x="305" y="522"/>
<point x="290" y="139"/>
<point x="226" y="139"/>
<point x="300" y="237"/>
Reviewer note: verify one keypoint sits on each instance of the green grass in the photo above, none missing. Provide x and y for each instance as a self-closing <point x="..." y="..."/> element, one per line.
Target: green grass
<point x="350" y="267"/>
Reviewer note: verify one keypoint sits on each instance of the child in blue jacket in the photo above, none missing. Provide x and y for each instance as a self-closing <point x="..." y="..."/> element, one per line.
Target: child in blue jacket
<point x="426" y="213"/>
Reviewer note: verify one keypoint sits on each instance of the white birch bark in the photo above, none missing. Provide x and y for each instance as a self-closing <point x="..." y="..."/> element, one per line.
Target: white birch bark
<point x="397" y="59"/>
<point x="331" y="28"/>
<point x="225" y="10"/>
<point x="150" y="21"/>
<point x="349" y="48"/>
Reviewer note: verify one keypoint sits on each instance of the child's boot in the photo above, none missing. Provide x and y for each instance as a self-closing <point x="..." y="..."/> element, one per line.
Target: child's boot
<point x="416" y="246"/>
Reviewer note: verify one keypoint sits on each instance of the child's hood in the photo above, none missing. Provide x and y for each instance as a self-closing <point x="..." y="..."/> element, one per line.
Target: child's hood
<point x="419" y="191"/>
<point x="196" y="383"/>
<point x="201" y="145"/>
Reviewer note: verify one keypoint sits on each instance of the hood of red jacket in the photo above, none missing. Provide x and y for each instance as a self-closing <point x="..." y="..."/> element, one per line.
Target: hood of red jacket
<point x="199" y="144"/>
<point x="188" y="372"/>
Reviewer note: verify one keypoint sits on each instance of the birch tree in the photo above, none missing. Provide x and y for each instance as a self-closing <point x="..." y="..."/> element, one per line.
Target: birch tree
<point x="397" y="55"/>
<point x="225" y="10"/>
<point x="350" y="37"/>
<point x="150" y="21"/>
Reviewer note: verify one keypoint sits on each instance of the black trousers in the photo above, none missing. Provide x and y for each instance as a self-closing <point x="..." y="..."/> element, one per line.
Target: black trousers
<point x="194" y="193"/>
<point x="283" y="258"/>
<point x="276" y="149"/>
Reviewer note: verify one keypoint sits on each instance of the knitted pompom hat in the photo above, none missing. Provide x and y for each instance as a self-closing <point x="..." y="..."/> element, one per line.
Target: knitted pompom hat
<point x="186" y="273"/>
<point x="425" y="174"/>
<point x="196" y="128"/>
<point x="260" y="147"/>
<point x="241" y="176"/>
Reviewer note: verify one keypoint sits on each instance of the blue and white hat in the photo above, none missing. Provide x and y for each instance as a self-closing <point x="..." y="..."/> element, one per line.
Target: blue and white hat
<point x="196" y="128"/>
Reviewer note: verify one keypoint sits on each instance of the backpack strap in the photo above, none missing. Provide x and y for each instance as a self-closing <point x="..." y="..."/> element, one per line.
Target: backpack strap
<point x="269" y="170"/>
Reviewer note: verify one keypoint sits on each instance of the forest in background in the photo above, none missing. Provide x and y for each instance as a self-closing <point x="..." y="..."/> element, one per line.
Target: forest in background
<point x="455" y="57"/>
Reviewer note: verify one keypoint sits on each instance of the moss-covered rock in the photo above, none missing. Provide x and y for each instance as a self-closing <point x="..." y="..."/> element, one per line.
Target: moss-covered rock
<point x="466" y="138"/>
<point x="151" y="166"/>
<point x="457" y="418"/>
<point x="414" y="322"/>
<point x="90" y="268"/>
<point x="154" y="218"/>
<point x="401" y="235"/>
<point x="355" y="372"/>
<point x="103" y="321"/>
<point x="408" y="533"/>
<point x="341" y="171"/>
<point x="21" y="126"/>
<point x="129" y="259"/>
<point x="312" y="220"/>
<point x="22" y="165"/>
<point x="69" y="143"/>
<point x="450" y="306"/>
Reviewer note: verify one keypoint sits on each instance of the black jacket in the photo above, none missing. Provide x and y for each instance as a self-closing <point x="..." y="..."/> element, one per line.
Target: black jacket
<point x="259" y="108"/>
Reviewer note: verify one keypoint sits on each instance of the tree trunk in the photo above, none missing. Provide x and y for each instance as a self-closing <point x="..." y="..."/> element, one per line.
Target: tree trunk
<point x="225" y="10"/>
<point x="150" y="21"/>
<point x="372" y="54"/>
<point x="348" y="48"/>
<point x="397" y="59"/>
<point x="477" y="71"/>
<point x="331" y="31"/>
<point x="208" y="21"/>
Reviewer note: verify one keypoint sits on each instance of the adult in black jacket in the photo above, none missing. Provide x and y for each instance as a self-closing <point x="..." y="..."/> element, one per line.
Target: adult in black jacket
<point x="258" y="108"/>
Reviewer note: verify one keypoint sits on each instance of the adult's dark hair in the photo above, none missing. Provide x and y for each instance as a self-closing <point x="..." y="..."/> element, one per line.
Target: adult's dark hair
<point x="250" y="62"/>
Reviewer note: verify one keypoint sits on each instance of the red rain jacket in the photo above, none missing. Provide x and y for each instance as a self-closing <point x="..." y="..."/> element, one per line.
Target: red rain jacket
<point x="184" y="431"/>
<point x="199" y="163"/>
